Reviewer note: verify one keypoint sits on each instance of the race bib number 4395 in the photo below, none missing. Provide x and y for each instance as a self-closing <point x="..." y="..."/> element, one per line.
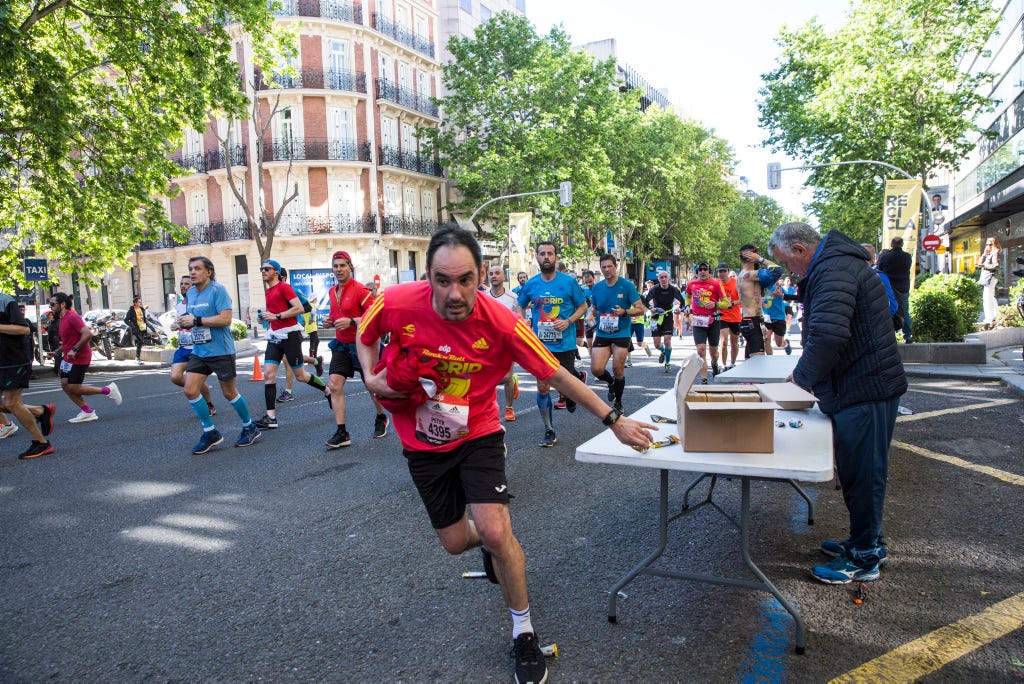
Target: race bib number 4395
<point x="443" y="419"/>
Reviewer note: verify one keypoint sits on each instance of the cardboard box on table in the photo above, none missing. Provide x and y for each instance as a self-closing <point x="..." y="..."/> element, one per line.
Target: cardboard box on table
<point x="731" y="418"/>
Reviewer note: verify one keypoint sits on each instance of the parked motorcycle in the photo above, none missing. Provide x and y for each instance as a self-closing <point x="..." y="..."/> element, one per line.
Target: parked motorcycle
<point x="100" y="340"/>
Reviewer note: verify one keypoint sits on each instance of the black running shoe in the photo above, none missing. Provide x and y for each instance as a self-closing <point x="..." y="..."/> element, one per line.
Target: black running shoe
<point x="529" y="661"/>
<point x="266" y="422"/>
<point x="380" y="425"/>
<point x="319" y="365"/>
<point x="618" y="406"/>
<point x="37" y="449"/>
<point x="339" y="439"/>
<point x="46" y="419"/>
<point x="549" y="439"/>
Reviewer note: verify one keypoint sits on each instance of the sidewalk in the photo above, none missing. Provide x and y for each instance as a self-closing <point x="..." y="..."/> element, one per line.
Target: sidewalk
<point x="1004" y="364"/>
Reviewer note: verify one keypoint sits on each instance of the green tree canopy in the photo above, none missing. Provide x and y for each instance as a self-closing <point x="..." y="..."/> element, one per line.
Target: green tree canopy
<point x="524" y="113"/>
<point x="885" y="86"/>
<point x="95" y="95"/>
<point x="751" y="221"/>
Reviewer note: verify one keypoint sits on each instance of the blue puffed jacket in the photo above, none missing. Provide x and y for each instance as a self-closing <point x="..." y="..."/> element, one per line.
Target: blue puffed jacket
<point x="849" y="346"/>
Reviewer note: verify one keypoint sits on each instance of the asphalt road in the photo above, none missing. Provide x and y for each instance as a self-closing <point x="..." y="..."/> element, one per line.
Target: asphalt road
<point x="126" y="558"/>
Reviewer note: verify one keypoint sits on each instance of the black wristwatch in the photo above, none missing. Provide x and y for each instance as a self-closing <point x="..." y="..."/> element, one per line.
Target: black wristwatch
<point x="197" y="321"/>
<point x="610" y="419"/>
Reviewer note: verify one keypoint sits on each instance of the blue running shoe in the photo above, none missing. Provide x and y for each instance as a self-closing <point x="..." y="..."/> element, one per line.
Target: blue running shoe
<point x="207" y="441"/>
<point x="837" y="549"/>
<point x="250" y="435"/>
<point x="842" y="570"/>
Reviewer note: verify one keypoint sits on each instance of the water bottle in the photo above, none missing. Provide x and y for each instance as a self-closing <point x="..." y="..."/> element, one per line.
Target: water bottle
<point x="261" y="319"/>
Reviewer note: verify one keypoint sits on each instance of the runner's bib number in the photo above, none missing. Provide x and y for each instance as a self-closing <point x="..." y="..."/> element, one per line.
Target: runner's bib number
<point x="201" y="335"/>
<point x="702" y="321"/>
<point x="609" y="323"/>
<point x="443" y="419"/>
<point x="185" y="338"/>
<point x="65" y="366"/>
<point x="547" y="333"/>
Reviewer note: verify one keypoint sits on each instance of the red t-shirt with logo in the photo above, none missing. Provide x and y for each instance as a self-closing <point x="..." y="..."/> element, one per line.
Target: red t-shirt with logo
<point x="279" y="299"/>
<point x="704" y="295"/>
<point x="353" y="302"/>
<point x="71" y="325"/>
<point x="473" y="356"/>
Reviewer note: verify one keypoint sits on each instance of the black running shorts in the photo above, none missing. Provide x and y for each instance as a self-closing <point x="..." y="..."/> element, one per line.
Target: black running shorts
<point x="473" y="472"/>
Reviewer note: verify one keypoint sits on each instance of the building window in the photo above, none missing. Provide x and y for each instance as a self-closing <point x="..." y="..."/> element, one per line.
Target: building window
<point x="466" y="5"/>
<point x="485" y="13"/>
<point x="167" y="276"/>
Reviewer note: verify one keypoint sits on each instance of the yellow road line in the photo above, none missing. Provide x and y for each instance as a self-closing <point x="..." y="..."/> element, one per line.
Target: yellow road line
<point x="933" y="651"/>
<point x="956" y="409"/>
<point x="961" y="463"/>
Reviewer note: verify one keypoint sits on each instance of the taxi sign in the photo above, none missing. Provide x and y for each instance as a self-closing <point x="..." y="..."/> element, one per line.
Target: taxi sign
<point x="35" y="270"/>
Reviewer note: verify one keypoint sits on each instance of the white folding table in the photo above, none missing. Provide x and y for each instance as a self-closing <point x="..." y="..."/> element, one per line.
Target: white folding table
<point x="762" y="368"/>
<point x="803" y="454"/>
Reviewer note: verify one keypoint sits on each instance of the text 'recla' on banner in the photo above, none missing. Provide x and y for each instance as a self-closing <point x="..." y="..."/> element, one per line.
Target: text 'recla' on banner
<point x="901" y="216"/>
<point x="519" y="256"/>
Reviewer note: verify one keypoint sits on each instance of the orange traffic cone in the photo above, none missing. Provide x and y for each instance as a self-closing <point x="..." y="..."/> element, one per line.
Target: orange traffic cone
<point x="257" y="371"/>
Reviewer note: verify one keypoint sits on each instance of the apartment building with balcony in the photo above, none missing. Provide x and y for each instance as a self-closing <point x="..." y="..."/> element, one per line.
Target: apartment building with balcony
<point x="986" y="197"/>
<point x="343" y="137"/>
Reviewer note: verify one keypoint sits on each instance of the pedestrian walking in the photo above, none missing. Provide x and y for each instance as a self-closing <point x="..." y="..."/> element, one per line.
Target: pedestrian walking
<point x="135" y="318"/>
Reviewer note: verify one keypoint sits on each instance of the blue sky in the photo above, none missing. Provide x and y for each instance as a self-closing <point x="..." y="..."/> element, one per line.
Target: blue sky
<point x="708" y="56"/>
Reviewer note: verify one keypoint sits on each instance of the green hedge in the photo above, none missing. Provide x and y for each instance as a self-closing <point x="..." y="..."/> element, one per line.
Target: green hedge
<point x="934" y="316"/>
<point x="1009" y="316"/>
<point x="239" y="330"/>
<point x="965" y="294"/>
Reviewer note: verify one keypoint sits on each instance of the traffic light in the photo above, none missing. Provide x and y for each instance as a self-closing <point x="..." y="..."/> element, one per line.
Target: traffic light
<point x="565" y="193"/>
<point x="774" y="176"/>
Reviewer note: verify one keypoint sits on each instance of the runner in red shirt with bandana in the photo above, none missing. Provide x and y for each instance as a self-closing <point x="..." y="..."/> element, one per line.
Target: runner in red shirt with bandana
<point x="349" y="301"/>
<point x="453" y="440"/>
<point x="704" y="294"/>
<point x="284" y="339"/>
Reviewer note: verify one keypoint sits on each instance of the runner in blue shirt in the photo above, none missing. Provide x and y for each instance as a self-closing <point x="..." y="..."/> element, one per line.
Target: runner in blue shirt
<point x="208" y="317"/>
<point x="615" y="301"/>
<point x="557" y="302"/>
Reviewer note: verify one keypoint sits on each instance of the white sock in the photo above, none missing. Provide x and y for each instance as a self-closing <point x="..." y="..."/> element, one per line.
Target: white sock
<point x="521" y="622"/>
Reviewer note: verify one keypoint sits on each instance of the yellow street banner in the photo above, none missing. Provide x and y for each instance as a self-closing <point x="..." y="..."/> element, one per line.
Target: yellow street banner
<point x="519" y="256"/>
<point x="901" y="216"/>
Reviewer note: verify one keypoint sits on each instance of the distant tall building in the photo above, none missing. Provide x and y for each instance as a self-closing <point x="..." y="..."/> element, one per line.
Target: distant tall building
<point x="461" y="17"/>
<point x="987" y="197"/>
<point x="629" y="78"/>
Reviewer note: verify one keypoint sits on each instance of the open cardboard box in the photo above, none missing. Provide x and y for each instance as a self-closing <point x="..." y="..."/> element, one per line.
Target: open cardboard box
<point x="731" y="418"/>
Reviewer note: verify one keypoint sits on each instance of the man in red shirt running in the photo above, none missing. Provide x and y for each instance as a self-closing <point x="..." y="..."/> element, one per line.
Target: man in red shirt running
<point x="74" y="341"/>
<point x="349" y="301"/>
<point x="704" y="294"/>
<point x="731" y="317"/>
<point x="453" y="440"/>
<point x="284" y="339"/>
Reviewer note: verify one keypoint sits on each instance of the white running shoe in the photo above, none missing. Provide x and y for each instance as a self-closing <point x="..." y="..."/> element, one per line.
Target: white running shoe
<point x="7" y="430"/>
<point x="115" y="393"/>
<point x="84" y="417"/>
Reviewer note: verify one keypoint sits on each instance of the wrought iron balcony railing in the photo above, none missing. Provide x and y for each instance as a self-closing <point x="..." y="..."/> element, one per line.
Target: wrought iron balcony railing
<point x="315" y="79"/>
<point x="216" y="159"/>
<point x="392" y="156"/>
<point x="391" y="28"/>
<point x="201" y="234"/>
<point x="339" y="10"/>
<point x="407" y="225"/>
<point x="316" y="149"/>
<point x="190" y="163"/>
<point x="301" y="224"/>
<point x="386" y="89"/>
